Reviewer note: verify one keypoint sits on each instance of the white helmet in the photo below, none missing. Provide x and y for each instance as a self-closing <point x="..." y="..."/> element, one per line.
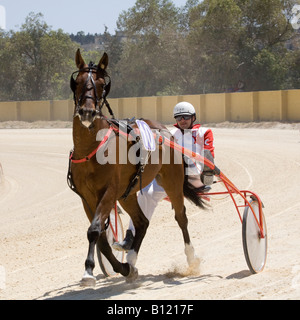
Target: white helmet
<point x="184" y="108"/>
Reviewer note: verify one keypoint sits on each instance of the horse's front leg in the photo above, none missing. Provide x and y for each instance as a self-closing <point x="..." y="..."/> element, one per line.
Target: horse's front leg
<point x="141" y="223"/>
<point x="96" y="228"/>
<point x="97" y="233"/>
<point x="93" y="234"/>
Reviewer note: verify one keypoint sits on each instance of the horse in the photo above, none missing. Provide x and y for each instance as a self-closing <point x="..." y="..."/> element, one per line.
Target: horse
<point x="101" y="185"/>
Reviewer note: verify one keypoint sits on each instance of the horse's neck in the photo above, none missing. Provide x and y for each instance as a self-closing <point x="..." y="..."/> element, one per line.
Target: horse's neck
<point x="85" y="140"/>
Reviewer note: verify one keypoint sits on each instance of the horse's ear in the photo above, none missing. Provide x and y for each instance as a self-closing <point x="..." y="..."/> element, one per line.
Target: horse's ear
<point x="103" y="63"/>
<point x="79" y="60"/>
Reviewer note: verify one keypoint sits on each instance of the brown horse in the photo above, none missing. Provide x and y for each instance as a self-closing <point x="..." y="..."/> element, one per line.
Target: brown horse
<point x="101" y="185"/>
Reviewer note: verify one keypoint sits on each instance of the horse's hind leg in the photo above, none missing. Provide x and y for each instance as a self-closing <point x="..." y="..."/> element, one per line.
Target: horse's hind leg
<point x="122" y="268"/>
<point x="177" y="200"/>
<point x="181" y="218"/>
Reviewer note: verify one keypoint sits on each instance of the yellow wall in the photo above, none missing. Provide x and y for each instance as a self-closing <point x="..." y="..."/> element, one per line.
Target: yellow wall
<point x="34" y="110"/>
<point x="8" y="111"/>
<point x="241" y="106"/>
<point x="127" y="107"/>
<point x="147" y="108"/>
<point x="165" y="108"/>
<point x="61" y="110"/>
<point x="270" y="102"/>
<point x="215" y="107"/>
<point x="293" y="105"/>
<point x="236" y="107"/>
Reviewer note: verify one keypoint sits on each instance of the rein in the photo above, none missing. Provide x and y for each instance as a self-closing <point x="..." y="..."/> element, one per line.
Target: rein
<point x="105" y="139"/>
<point x="88" y="158"/>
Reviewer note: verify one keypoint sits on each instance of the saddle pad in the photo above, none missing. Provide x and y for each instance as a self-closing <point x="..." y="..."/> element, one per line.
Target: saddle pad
<point x="147" y="135"/>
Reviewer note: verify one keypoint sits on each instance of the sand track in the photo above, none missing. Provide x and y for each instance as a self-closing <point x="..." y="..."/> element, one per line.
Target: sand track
<point x="43" y="228"/>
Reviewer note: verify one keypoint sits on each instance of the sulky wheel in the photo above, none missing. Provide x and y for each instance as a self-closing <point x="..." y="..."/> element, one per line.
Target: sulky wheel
<point x="255" y="247"/>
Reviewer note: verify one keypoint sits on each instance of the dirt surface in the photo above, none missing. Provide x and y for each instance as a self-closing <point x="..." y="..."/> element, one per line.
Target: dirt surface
<point x="43" y="227"/>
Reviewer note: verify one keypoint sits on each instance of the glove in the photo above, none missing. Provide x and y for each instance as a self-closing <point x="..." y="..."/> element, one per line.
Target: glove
<point x="207" y="179"/>
<point x="207" y="176"/>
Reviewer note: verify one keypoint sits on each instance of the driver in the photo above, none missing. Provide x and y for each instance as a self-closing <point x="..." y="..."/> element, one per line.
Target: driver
<point x="193" y="137"/>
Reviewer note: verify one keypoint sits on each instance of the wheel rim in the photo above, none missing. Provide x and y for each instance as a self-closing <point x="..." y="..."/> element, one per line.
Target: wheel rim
<point x="255" y="247"/>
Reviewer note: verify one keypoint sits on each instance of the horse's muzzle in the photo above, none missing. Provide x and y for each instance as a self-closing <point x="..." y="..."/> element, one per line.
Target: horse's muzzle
<point x="87" y="116"/>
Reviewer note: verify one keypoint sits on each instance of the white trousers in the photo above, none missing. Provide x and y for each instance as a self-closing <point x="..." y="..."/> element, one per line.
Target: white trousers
<point x="148" y="200"/>
<point x="150" y="196"/>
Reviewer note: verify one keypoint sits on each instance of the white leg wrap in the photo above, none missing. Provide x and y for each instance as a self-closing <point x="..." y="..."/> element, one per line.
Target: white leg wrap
<point x="192" y="259"/>
<point x="190" y="253"/>
<point x="131" y="257"/>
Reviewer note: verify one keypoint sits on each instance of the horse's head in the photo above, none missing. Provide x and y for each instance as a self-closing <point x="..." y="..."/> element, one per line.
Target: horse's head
<point x="90" y="88"/>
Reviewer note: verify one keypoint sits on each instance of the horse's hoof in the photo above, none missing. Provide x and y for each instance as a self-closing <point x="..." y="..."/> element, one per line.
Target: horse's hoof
<point x="88" y="280"/>
<point x="133" y="274"/>
<point x="194" y="265"/>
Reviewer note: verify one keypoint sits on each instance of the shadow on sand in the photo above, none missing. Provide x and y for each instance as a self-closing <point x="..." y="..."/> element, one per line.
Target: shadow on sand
<point x="114" y="288"/>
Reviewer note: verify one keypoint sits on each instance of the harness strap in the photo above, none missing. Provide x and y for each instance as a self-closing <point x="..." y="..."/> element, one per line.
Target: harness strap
<point x="87" y="158"/>
<point x="137" y="176"/>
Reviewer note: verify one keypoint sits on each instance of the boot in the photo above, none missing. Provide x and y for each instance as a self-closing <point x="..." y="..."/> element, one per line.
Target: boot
<point x="126" y="244"/>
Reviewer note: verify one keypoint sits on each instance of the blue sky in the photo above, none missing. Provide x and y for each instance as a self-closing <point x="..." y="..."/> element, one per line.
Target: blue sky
<point x="72" y="16"/>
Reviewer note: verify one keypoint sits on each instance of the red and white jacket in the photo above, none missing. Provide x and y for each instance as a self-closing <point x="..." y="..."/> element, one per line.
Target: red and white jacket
<point x="195" y="139"/>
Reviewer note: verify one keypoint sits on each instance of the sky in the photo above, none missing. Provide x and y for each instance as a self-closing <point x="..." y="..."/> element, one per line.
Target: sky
<point x="90" y="16"/>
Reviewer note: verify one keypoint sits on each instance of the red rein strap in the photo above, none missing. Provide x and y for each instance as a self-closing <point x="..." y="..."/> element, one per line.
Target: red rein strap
<point x="100" y="145"/>
<point x="95" y="151"/>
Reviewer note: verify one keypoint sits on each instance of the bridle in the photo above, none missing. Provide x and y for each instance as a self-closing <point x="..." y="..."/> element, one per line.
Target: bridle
<point x="98" y="100"/>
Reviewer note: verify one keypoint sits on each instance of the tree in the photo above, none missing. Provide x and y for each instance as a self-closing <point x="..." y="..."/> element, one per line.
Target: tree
<point x="262" y="48"/>
<point x="159" y="49"/>
<point x="36" y="62"/>
<point x="214" y="32"/>
<point x="232" y="40"/>
<point x="149" y="59"/>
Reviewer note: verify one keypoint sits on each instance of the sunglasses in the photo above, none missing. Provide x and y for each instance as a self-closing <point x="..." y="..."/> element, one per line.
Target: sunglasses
<point x="185" y="117"/>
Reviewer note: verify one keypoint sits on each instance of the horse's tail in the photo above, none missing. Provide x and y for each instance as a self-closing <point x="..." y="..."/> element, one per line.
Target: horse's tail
<point x="190" y="193"/>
